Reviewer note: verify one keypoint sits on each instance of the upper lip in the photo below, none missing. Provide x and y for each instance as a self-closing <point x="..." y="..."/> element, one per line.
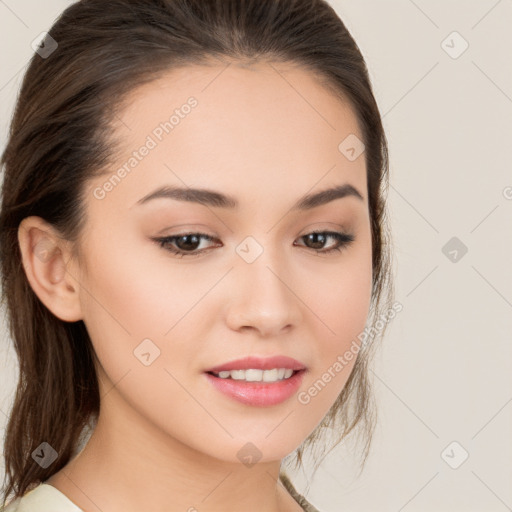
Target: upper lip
<point x="261" y="363"/>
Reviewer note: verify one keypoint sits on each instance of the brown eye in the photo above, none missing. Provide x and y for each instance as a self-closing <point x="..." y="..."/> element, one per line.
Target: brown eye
<point x="317" y="239"/>
<point x="185" y="244"/>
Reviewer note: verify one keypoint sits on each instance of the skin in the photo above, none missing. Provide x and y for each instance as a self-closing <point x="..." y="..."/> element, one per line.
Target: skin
<point x="166" y="439"/>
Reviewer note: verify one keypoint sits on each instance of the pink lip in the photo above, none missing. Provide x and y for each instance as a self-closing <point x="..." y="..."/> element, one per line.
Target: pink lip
<point x="260" y="363"/>
<point x="258" y="393"/>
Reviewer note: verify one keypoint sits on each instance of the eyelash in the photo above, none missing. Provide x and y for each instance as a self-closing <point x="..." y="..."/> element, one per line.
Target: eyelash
<point x="344" y="240"/>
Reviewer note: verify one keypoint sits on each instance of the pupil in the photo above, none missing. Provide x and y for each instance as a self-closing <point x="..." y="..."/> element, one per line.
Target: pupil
<point x="195" y="243"/>
<point x="318" y="245"/>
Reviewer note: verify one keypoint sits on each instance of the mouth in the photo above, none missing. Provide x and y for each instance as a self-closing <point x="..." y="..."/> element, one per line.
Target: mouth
<point x="250" y="388"/>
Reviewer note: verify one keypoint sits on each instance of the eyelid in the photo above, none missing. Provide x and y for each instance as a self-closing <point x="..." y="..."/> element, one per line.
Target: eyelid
<point x="333" y="226"/>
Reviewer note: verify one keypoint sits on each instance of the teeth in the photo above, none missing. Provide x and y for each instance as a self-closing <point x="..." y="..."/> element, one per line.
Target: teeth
<point x="253" y="375"/>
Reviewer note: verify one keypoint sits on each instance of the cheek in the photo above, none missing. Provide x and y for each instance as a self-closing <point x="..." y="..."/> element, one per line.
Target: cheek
<point x="138" y="323"/>
<point x="341" y="302"/>
<point x="342" y="294"/>
<point x="144" y="314"/>
<point x="132" y="292"/>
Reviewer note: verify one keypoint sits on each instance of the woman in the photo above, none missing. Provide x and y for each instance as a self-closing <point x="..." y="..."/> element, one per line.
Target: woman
<point x="193" y="247"/>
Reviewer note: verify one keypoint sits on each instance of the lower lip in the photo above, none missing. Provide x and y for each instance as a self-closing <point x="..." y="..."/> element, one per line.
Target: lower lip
<point x="258" y="393"/>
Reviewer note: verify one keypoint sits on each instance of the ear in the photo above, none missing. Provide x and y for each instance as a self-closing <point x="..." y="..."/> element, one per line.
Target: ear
<point x="47" y="262"/>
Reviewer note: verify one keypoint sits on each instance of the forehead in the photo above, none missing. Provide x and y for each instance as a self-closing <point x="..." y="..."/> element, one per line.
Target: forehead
<point x="267" y="127"/>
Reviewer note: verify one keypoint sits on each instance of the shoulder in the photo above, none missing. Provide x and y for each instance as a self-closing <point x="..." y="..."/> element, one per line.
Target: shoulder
<point x="43" y="498"/>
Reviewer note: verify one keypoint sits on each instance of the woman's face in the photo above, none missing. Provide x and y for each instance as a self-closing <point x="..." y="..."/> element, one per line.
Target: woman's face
<point x="266" y="137"/>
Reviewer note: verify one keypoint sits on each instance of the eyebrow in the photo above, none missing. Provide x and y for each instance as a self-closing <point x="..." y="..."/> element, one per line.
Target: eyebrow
<point x="218" y="200"/>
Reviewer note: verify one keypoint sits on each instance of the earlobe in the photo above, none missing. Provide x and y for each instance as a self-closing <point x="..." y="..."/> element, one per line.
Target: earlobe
<point x="44" y="257"/>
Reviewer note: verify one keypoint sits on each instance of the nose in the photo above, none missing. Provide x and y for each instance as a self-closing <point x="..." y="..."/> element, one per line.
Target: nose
<point x="263" y="298"/>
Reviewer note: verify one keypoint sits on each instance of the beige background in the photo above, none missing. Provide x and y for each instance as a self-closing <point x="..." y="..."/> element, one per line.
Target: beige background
<point x="444" y="371"/>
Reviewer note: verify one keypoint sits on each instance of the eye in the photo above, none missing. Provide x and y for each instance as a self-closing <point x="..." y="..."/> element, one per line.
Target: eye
<point x="318" y="238"/>
<point x="184" y="243"/>
<point x="187" y="244"/>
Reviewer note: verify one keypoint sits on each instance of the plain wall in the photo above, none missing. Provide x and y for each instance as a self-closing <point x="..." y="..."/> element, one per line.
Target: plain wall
<point x="443" y="374"/>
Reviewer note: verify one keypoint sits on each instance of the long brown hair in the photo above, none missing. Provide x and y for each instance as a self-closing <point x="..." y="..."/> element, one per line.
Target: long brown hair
<point x="60" y="138"/>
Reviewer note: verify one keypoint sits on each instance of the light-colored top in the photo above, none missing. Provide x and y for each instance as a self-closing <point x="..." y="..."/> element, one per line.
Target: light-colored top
<point x="43" y="498"/>
<point x="46" y="498"/>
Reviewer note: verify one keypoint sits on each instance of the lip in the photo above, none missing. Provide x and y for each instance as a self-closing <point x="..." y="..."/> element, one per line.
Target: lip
<point x="260" y="394"/>
<point x="259" y="363"/>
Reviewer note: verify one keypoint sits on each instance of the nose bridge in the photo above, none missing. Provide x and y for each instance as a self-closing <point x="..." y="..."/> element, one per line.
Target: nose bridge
<point x="263" y="298"/>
